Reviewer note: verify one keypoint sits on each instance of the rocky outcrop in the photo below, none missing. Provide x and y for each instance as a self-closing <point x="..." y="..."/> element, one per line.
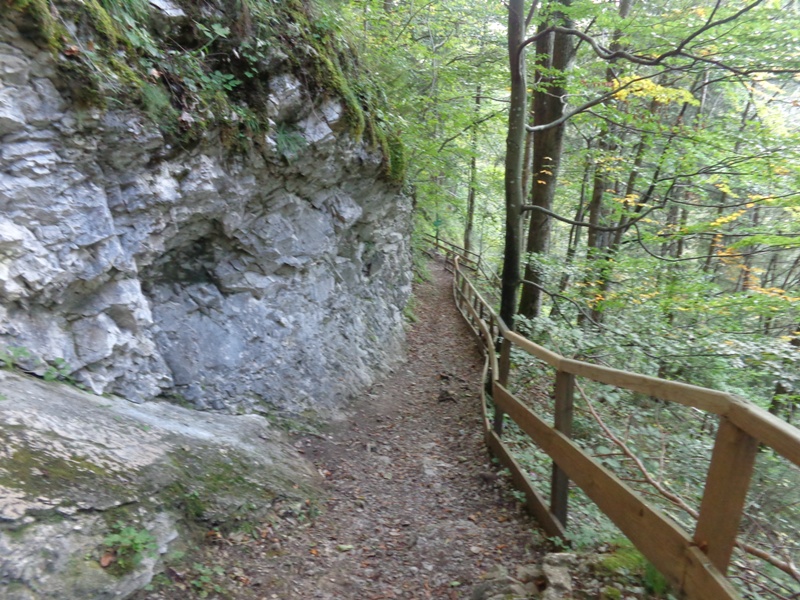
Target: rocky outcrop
<point x="94" y="491"/>
<point x="273" y="276"/>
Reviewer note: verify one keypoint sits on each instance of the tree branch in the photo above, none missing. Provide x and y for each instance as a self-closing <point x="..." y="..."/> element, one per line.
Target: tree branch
<point x="558" y="217"/>
<point x="471" y="125"/>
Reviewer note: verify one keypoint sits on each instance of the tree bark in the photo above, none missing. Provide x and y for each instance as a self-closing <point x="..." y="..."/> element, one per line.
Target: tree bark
<point x="473" y="174"/>
<point x="548" y="105"/>
<point x="515" y="143"/>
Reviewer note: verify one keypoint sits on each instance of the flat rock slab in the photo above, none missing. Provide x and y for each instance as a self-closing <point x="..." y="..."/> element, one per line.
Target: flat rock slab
<point x="73" y="466"/>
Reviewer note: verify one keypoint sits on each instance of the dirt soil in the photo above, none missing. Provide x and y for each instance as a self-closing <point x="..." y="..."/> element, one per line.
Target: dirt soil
<point x="413" y="506"/>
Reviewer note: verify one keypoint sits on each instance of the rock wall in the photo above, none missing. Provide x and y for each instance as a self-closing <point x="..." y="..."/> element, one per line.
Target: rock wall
<point x="228" y="280"/>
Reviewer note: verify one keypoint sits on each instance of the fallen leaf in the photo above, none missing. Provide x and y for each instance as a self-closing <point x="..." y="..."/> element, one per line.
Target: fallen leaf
<point x="107" y="559"/>
<point x="344" y="547"/>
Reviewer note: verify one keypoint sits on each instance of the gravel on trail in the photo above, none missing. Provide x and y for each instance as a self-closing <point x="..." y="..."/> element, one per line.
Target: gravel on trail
<point x="412" y="507"/>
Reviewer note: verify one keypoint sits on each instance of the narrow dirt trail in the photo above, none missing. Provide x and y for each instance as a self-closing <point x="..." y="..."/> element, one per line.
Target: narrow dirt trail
<point x="415" y="509"/>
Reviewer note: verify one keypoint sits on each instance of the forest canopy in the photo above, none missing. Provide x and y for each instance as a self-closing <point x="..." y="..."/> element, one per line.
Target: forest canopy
<point x="658" y="183"/>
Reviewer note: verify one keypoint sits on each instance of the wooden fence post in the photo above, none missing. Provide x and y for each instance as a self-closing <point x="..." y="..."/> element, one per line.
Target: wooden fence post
<point x="559" y="488"/>
<point x="504" y="366"/>
<point x="725" y="493"/>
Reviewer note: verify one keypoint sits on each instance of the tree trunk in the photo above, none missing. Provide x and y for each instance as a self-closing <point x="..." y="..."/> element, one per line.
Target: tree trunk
<point x="515" y="143"/>
<point x="548" y="106"/>
<point x="473" y="174"/>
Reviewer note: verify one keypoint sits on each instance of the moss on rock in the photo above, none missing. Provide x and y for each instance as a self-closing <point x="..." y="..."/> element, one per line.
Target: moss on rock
<point x="209" y="65"/>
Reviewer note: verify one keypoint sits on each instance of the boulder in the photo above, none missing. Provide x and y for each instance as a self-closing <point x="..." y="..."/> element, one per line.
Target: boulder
<point x="79" y="473"/>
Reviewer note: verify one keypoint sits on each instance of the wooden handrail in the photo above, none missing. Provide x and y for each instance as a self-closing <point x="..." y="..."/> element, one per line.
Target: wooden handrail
<point x="462" y="251"/>
<point x="694" y="564"/>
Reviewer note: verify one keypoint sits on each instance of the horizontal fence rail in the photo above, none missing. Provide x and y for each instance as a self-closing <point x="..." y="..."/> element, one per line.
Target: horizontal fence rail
<point x="471" y="260"/>
<point x="694" y="563"/>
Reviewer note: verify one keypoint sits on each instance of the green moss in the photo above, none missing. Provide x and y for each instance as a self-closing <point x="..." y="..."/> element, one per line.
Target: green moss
<point x="610" y="593"/>
<point x="197" y="78"/>
<point x="37" y="472"/>
<point x="397" y="158"/>
<point x="625" y="559"/>
<point x="627" y="562"/>
<point x="50" y="30"/>
<point x="102" y="21"/>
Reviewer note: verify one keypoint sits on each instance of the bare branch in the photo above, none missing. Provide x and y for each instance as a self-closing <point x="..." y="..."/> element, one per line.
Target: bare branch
<point x="558" y="217"/>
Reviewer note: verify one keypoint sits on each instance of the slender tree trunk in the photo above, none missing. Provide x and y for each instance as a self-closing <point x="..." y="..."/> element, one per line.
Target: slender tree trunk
<point x="575" y="231"/>
<point x="473" y="174"/>
<point x="597" y="241"/>
<point x="515" y="144"/>
<point x="782" y="401"/>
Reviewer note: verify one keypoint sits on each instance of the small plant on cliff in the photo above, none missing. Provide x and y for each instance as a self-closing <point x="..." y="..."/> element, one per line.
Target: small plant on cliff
<point x="126" y="547"/>
<point x="288" y="141"/>
<point x="12" y="355"/>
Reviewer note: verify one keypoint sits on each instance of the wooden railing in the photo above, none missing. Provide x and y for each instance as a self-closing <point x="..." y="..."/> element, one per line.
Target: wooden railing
<point x="694" y="563"/>
<point x="471" y="260"/>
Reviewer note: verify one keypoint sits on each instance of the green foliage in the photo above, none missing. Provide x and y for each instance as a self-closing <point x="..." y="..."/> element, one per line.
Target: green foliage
<point x="207" y="580"/>
<point x="21" y="358"/>
<point x="429" y="58"/>
<point x="288" y="141"/>
<point x="129" y="546"/>
<point x="12" y="356"/>
<point x="409" y="310"/>
<point x="58" y="370"/>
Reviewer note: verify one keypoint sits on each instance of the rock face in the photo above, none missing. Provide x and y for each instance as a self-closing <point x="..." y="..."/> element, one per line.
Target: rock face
<point x="76" y="468"/>
<point x="273" y="277"/>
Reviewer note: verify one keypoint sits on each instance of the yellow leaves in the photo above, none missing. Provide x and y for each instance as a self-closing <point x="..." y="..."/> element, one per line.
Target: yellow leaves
<point x="646" y="88"/>
<point x="725" y="189"/>
<point x="723" y="220"/>
<point x="781" y="170"/>
<point x="774" y="292"/>
<point x="629" y="201"/>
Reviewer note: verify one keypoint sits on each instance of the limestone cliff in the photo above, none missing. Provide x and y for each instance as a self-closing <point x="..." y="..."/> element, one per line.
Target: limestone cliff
<point x="225" y="270"/>
<point x="198" y="203"/>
